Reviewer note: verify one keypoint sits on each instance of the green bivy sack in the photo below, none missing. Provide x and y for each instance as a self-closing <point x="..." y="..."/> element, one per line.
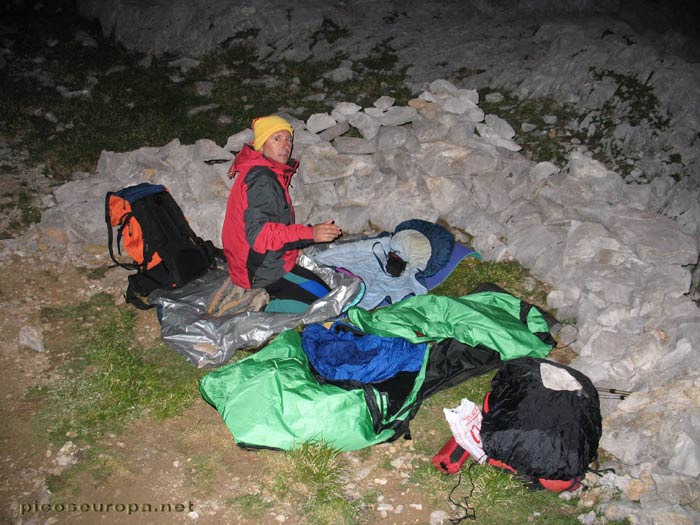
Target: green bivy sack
<point x="273" y="398"/>
<point x="492" y="318"/>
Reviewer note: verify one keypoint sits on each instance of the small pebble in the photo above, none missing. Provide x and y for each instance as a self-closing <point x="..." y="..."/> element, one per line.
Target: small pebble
<point x="588" y="519"/>
<point x="439" y="517"/>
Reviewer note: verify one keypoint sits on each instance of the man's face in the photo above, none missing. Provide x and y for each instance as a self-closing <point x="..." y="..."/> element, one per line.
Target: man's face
<point x="278" y="146"/>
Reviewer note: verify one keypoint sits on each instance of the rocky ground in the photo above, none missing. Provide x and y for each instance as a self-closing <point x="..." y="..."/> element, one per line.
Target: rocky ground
<point x="189" y="463"/>
<point x="189" y="460"/>
<point x="155" y="466"/>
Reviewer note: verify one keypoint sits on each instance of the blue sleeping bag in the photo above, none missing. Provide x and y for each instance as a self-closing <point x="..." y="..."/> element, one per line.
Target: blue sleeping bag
<point x="342" y="352"/>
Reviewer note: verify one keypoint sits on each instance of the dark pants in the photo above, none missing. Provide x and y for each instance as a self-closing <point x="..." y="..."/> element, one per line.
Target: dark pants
<point x="295" y="291"/>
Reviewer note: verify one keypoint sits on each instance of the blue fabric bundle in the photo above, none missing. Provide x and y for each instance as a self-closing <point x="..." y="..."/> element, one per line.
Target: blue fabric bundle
<point x="341" y="353"/>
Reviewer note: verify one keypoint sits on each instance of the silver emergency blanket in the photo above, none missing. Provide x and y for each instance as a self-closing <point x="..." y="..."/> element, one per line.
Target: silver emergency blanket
<point x="208" y="341"/>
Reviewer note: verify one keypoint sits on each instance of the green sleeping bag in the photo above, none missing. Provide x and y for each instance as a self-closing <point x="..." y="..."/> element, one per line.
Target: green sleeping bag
<point x="272" y="399"/>
<point x="491" y="319"/>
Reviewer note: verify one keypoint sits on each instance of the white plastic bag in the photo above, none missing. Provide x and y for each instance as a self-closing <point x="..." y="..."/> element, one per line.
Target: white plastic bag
<point x="465" y="424"/>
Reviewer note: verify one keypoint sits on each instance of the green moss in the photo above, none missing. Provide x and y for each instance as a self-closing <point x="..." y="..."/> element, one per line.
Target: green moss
<point x="548" y="142"/>
<point x="252" y="506"/>
<point x="633" y="101"/>
<point x="509" y="275"/>
<point x="30" y="214"/>
<point x="131" y="106"/>
<point x="106" y="378"/>
<point x="96" y="273"/>
<point x="201" y="471"/>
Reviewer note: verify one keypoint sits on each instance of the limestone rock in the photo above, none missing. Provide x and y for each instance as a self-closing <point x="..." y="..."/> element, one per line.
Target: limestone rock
<point x="334" y="131"/>
<point x="31" y="337"/>
<point x="236" y="141"/>
<point x="319" y="122"/>
<point x="354" y="145"/>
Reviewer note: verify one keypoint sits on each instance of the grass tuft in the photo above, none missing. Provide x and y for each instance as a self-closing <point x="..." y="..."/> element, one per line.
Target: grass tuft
<point x="202" y="471"/>
<point x="314" y="475"/>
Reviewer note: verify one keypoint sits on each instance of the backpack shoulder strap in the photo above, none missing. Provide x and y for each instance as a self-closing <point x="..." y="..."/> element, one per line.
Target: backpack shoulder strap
<point x="213" y="253"/>
<point x="133" y="299"/>
<point x="381" y="264"/>
<point x="110" y="234"/>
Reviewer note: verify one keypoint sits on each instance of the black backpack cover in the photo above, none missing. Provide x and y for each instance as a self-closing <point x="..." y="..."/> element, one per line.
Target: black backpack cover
<point x="540" y="431"/>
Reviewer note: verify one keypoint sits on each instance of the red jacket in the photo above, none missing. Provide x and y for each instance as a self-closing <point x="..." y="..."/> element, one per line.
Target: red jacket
<point x="260" y="240"/>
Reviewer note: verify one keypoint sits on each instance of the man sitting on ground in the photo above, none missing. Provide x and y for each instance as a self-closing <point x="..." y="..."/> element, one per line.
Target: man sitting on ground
<point x="259" y="237"/>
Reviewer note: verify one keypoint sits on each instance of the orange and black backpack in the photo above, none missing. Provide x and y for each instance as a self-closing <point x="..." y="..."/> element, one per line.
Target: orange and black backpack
<point x="165" y="252"/>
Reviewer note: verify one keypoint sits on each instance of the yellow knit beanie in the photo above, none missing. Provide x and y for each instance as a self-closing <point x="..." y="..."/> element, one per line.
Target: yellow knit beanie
<point x="263" y="127"/>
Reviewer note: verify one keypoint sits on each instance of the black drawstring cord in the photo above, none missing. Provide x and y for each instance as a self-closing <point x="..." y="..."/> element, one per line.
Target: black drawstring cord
<point x="568" y="343"/>
<point x="469" y="511"/>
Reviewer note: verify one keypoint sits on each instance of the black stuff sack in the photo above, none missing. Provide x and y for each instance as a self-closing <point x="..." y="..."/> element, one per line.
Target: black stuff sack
<point x="394" y="264"/>
<point x="541" y="419"/>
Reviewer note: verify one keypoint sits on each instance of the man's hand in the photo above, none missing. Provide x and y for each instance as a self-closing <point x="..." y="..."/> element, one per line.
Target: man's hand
<point x="326" y="231"/>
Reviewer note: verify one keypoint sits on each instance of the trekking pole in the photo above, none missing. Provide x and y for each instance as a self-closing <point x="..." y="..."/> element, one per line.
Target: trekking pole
<point x="614" y="393"/>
